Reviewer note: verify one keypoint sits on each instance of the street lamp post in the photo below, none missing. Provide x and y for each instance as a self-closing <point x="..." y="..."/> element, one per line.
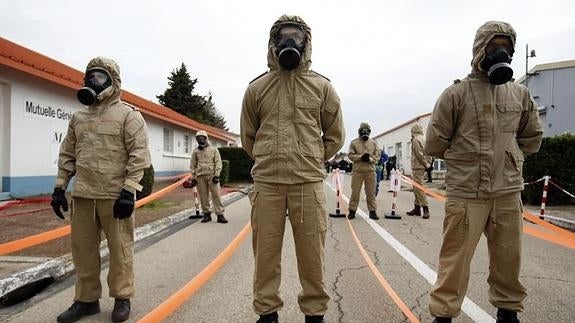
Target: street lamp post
<point x="527" y="55"/>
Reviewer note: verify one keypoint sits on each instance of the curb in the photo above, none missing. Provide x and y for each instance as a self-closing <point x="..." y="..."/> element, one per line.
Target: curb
<point x="561" y="222"/>
<point x="60" y="267"/>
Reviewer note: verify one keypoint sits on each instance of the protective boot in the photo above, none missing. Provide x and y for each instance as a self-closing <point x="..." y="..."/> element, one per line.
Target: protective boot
<point x="506" y="316"/>
<point x="268" y="318"/>
<point x="78" y="310"/>
<point x="314" y="319"/>
<point x="351" y="214"/>
<point x="425" y="212"/>
<point x="416" y="211"/>
<point x="207" y="217"/>
<point x="373" y="215"/>
<point x="121" y="311"/>
<point x="222" y="219"/>
<point x="442" y="320"/>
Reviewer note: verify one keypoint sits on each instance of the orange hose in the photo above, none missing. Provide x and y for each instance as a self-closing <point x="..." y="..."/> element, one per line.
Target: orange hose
<point x="170" y="305"/>
<point x="398" y="301"/>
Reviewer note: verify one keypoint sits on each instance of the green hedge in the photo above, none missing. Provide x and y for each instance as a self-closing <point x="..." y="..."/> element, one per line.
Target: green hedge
<point x="556" y="158"/>
<point x="225" y="173"/>
<point x="240" y="163"/>
<point x="147" y="182"/>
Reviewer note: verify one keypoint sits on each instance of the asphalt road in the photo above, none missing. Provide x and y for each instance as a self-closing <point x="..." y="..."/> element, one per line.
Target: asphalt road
<point x="404" y="251"/>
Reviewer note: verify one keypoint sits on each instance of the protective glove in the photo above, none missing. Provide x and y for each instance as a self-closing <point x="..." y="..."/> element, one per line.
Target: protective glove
<point x="365" y="157"/>
<point x="194" y="182"/>
<point x="124" y="206"/>
<point x="59" y="201"/>
<point x="216" y="179"/>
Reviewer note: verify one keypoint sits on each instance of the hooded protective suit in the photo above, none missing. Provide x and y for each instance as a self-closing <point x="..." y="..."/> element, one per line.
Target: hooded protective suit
<point x="483" y="132"/>
<point x="205" y="164"/>
<point x="363" y="171"/>
<point x="106" y="148"/>
<point x="418" y="158"/>
<point x="291" y="123"/>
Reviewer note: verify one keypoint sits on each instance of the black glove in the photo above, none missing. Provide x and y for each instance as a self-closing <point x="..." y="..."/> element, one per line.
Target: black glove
<point x="365" y="157"/>
<point x="59" y="200"/>
<point x="124" y="206"/>
<point x="194" y="182"/>
<point x="216" y="179"/>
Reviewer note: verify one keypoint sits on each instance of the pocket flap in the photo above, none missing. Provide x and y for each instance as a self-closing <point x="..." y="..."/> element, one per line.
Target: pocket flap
<point x="462" y="156"/>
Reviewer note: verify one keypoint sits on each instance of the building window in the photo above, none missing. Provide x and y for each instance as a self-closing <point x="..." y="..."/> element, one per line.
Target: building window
<point x="168" y="140"/>
<point x="408" y="151"/>
<point x="390" y="151"/>
<point x="186" y="144"/>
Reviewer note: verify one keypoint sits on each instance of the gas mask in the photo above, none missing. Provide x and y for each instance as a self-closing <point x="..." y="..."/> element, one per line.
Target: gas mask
<point x="202" y="142"/>
<point x="95" y="82"/>
<point x="290" y="42"/>
<point x="364" y="133"/>
<point x="496" y="64"/>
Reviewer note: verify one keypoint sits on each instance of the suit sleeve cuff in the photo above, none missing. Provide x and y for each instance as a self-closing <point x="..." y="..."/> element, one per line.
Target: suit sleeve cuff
<point x="132" y="186"/>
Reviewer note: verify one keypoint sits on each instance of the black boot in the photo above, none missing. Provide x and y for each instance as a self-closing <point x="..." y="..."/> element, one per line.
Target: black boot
<point x="506" y="316"/>
<point x="442" y="320"/>
<point x="373" y="215"/>
<point x="207" y="217"/>
<point x="222" y="219"/>
<point x="425" y="212"/>
<point x="351" y="214"/>
<point x="314" y="319"/>
<point x="121" y="311"/>
<point x="78" y="310"/>
<point x="268" y="318"/>
<point x="416" y="211"/>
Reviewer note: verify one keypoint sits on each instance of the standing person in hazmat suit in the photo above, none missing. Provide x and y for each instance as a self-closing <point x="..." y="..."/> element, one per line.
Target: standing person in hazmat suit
<point x="483" y="127"/>
<point x="106" y="148"/>
<point x="419" y="163"/>
<point x="205" y="166"/>
<point x="364" y="154"/>
<point x="291" y="123"/>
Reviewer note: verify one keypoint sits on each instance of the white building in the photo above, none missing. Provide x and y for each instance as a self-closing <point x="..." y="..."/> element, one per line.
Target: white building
<point x="397" y="142"/>
<point x="38" y="98"/>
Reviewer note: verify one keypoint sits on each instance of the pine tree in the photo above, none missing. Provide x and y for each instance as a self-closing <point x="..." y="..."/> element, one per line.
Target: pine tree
<point x="180" y="97"/>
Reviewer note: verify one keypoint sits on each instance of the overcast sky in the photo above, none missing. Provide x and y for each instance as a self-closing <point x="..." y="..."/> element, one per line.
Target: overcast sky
<point x="388" y="60"/>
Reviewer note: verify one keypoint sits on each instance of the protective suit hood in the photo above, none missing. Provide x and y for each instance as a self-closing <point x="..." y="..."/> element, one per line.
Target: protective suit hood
<point x="483" y="36"/>
<point x="111" y="94"/>
<point x="202" y="133"/>
<point x="416" y="130"/>
<point x="273" y="61"/>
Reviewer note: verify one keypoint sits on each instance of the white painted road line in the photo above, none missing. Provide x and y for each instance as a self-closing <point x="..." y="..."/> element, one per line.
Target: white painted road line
<point x="475" y="312"/>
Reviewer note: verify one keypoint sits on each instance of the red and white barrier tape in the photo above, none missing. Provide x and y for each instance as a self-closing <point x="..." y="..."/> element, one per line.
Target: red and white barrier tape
<point x="534" y="182"/>
<point x="561" y="188"/>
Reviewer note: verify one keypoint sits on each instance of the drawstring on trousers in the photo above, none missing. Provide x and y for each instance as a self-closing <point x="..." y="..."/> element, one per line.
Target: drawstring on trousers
<point x="302" y="204"/>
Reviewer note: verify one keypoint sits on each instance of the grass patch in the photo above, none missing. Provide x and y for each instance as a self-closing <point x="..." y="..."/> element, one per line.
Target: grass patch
<point x="154" y="205"/>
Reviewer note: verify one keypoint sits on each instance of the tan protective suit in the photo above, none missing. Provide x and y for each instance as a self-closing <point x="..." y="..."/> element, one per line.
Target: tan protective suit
<point x="106" y="148"/>
<point x="206" y="164"/>
<point x="291" y="123"/>
<point x="482" y="131"/>
<point x="363" y="172"/>
<point x="419" y="162"/>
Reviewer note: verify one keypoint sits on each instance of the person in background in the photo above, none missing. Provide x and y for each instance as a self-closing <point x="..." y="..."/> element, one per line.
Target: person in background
<point x="364" y="154"/>
<point x="206" y="166"/>
<point x="379" y="168"/>
<point x="419" y="163"/>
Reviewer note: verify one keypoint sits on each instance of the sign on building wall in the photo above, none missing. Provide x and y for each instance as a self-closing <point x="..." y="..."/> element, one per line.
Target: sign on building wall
<point x="56" y="116"/>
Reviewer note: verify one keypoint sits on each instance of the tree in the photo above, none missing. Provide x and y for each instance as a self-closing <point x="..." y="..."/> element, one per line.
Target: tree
<point x="180" y="97"/>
